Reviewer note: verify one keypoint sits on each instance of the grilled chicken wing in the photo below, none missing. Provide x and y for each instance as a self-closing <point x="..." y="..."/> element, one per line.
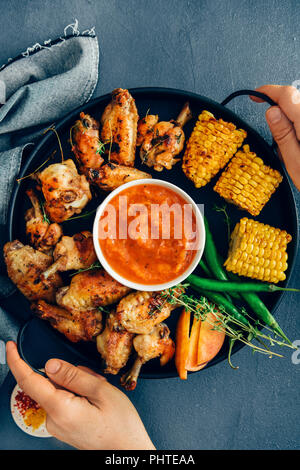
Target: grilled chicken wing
<point x="161" y="145"/>
<point x="111" y="176"/>
<point x="115" y="345"/>
<point x="66" y="192"/>
<point x="76" y="327"/>
<point x="43" y="236"/>
<point x="89" y="290"/>
<point x="75" y="252"/>
<point x="139" y="312"/>
<point x="145" y="127"/>
<point x="155" y="344"/>
<point x="85" y="142"/>
<point x="25" y="266"/>
<point x="119" y="126"/>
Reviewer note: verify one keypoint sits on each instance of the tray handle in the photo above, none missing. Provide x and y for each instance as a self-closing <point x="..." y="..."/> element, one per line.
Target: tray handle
<point x="263" y="96"/>
<point x="20" y="340"/>
<point x="79" y="360"/>
<point x="258" y="94"/>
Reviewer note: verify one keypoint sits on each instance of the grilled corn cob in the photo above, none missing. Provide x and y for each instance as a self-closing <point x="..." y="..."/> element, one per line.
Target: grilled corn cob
<point x="211" y="145"/>
<point x="247" y="182"/>
<point x="258" y="251"/>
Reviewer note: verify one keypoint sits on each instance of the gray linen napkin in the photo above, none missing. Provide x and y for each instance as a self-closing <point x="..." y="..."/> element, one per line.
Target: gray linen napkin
<point x="37" y="88"/>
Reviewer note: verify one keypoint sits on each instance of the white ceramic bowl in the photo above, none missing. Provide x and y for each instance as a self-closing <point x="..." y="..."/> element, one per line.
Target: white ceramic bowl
<point x="148" y="287"/>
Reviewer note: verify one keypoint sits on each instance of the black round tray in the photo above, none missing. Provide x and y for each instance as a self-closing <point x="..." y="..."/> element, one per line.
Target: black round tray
<point x="167" y="104"/>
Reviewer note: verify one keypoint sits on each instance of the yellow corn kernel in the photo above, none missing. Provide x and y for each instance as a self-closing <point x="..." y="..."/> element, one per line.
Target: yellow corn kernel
<point x="258" y="182"/>
<point x="258" y="251"/>
<point x="210" y="147"/>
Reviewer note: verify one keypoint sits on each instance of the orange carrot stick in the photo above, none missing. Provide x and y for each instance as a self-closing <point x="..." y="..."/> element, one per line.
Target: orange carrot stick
<point x="182" y="343"/>
<point x="193" y="345"/>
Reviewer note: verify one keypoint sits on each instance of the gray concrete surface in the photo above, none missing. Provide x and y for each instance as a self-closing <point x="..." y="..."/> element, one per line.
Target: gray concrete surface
<point x="213" y="48"/>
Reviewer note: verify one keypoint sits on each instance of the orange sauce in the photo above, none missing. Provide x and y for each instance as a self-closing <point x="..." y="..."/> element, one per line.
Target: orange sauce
<point x="144" y="236"/>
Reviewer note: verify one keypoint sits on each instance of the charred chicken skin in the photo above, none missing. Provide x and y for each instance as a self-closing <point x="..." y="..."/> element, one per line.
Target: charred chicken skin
<point x="149" y="346"/>
<point x="165" y="141"/>
<point x="75" y="326"/>
<point x="65" y="191"/>
<point x="85" y="142"/>
<point x="139" y="312"/>
<point x="110" y="176"/>
<point x="25" y="266"/>
<point x="89" y="290"/>
<point x="75" y="252"/>
<point x="145" y="127"/>
<point x="42" y="235"/>
<point x="114" y="345"/>
<point x="119" y="127"/>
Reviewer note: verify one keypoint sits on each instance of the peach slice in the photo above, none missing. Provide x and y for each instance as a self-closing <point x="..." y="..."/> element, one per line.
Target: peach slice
<point x="210" y="340"/>
<point x="196" y="368"/>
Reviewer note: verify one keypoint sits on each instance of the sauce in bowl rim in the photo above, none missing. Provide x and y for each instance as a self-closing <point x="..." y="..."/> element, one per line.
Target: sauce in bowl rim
<point x="200" y="227"/>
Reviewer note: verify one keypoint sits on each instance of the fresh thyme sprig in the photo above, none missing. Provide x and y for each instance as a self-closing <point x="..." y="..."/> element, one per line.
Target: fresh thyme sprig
<point x="45" y="218"/>
<point x="110" y="142"/>
<point x="226" y="217"/>
<point x="161" y="140"/>
<point x="224" y="322"/>
<point x="103" y="309"/>
<point x="101" y="148"/>
<point x="52" y="128"/>
<point x="81" y="216"/>
<point x="231" y="344"/>
<point x="75" y="126"/>
<point x="93" y="266"/>
<point x="101" y="145"/>
<point x="35" y="171"/>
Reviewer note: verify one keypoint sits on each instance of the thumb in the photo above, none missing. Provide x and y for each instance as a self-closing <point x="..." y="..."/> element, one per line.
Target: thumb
<point x="75" y="379"/>
<point x="282" y="129"/>
<point x="285" y="136"/>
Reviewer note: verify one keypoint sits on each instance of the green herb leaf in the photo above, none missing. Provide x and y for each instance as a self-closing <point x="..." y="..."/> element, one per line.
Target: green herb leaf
<point x="81" y="216"/>
<point x="103" y="309"/>
<point x="93" y="266"/>
<point x="226" y="216"/>
<point x="101" y="148"/>
<point x="45" y="218"/>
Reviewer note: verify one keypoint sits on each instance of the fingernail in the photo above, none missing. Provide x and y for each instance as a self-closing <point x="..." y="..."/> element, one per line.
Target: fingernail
<point x="274" y="114"/>
<point x="10" y="345"/>
<point x="52" y="366"/>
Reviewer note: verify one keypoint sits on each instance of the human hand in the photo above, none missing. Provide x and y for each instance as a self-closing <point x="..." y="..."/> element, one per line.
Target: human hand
<point x="88" y="412"/>
<point x="284" y="123"/>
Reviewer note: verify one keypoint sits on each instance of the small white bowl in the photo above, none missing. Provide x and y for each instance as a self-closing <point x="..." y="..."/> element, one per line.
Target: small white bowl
<point x="150" y="287"/>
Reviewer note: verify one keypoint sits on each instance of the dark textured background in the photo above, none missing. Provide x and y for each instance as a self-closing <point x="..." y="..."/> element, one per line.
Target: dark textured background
<point x="213" y="48"/>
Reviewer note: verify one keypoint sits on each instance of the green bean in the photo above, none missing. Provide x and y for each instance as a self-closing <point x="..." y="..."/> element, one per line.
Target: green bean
<point x="219" y="299"/>
<point x="211" y="254"/>
<point x="259" y="308"/>
<point x="212" y="257"/>
<point x="227" y="286"/>
<point x="204" y="268"/>
<point x="208" y="273"/>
